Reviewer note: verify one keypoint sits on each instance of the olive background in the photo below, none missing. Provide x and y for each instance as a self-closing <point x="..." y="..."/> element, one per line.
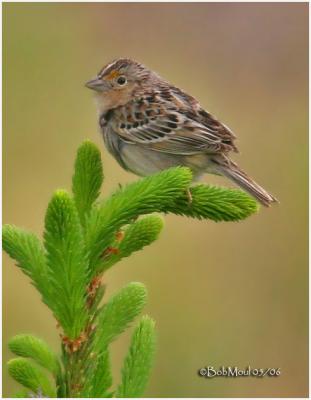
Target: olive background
<point x="221" y="293"/>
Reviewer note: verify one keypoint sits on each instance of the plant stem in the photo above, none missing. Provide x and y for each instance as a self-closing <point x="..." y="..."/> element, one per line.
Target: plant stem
<point x="77" y="360"/>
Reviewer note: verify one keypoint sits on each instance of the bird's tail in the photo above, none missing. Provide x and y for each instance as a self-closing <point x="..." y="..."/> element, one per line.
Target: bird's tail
<point x="233" y="172"/>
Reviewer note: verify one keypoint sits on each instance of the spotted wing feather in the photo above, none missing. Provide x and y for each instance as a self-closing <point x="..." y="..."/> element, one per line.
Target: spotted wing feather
<point x="168" y="123"/>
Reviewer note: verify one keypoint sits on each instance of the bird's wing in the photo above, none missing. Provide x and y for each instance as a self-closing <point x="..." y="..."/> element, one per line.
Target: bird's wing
<point x="164" y="125"/>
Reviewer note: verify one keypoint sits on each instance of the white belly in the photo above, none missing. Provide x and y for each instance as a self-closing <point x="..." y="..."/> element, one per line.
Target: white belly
<point x="143" y="161"/>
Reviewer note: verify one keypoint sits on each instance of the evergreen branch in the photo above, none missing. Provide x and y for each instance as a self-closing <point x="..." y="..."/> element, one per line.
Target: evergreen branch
<point x="82" y="239"/>
<point x="138" y="362"/>
<point x="136" y="236"/>
<point x="25" y="248"/>
<point x="215" y="203"/>
<point x="67" y="263"/>
<point x="31" y="347"/>
<point x="100" y="380"/>
<point x="155" y="193"/>
<point x="30" y="376"/>
<point x="113" y="319"/>
<point x="87" y="179"/>
<point x="116" y="315"/>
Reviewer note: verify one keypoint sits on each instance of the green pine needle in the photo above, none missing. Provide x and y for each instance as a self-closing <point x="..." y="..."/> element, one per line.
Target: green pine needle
<point x="138" y="362"/>
<point x="155" y="193"/>
<point x="113" y="319"/>
<point x="30" y="376"/>
<point x="87" y="179"/>
<point x="28" y="251"/>
<point x="136" y="236"/>
<point x="67" y="263"/>
<point x="100" y="379"/>
<point x="215" y="203"/>
<point x="32" y="347"/>
<point x="116" y="315"/>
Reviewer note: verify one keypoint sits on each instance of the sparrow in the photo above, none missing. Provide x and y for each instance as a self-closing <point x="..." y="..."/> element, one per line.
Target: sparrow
<point x="149" y="125"/>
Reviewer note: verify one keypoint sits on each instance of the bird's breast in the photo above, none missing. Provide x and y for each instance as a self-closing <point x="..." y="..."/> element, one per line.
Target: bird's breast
<point x="105" y="118"/>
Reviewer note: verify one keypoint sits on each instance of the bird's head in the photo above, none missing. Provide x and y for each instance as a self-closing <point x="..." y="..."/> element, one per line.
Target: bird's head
<point x="118" y="82"/>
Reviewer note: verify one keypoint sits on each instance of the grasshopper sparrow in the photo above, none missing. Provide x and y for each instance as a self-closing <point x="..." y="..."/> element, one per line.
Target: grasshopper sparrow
<point x="149" y="125"/>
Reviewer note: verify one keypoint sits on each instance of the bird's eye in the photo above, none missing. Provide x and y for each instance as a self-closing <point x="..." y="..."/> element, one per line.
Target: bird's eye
<point x="121" y="80"/>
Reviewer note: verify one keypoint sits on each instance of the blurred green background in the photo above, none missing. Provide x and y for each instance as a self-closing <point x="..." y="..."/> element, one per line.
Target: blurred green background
<point x="221" y="294"/>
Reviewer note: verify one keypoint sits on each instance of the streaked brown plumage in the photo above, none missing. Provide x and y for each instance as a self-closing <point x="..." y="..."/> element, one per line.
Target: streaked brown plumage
<point x="150" y="125"/>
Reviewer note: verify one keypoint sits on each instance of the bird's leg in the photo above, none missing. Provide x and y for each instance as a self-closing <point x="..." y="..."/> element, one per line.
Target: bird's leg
<point x="189" y="197"/>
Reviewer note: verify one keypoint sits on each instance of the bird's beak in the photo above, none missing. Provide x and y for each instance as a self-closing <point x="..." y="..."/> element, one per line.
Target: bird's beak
<point x="96" y="84"/>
